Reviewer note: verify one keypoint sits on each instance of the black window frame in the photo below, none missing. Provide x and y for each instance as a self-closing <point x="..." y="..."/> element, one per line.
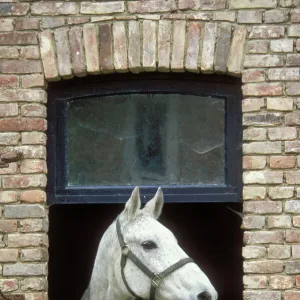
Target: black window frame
<point x="194" y="84"/>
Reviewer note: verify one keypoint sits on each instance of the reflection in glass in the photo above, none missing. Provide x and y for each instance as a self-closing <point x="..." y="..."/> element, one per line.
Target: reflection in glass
<point x="146" y="139"/>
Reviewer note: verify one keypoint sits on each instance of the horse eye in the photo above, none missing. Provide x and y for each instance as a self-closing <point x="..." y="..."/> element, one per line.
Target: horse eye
<point x="148" y="245"/>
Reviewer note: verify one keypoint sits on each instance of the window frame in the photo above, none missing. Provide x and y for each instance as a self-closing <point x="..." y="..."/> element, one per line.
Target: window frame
<point x="195" y="84"/>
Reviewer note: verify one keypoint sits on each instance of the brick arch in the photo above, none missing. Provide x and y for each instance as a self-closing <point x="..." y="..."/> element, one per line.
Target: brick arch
<point x="133" y="46"/>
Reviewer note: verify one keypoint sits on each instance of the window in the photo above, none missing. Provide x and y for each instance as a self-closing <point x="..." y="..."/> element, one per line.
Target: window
<point x="111" y="133"/>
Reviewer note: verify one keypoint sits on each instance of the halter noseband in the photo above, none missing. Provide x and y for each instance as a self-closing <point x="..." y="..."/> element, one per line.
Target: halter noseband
<point x="156" y="278"/>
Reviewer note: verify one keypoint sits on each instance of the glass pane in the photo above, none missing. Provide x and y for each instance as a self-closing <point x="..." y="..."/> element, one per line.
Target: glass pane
<point x="146" y="139"/>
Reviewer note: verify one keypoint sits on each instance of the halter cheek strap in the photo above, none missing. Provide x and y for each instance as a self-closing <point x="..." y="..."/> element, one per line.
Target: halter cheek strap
<point x="156" y="278"/>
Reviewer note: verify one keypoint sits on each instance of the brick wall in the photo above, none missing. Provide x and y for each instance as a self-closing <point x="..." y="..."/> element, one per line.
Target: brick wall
<point x="256" y="39"/>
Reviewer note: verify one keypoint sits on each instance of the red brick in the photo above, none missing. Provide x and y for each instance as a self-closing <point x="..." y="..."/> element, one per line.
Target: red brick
<point x="8" y="52"/>
<point x="17" y="9"/>
<point x="24" y="181"/>
<point x="291" y="295"/>
<point x="298" y="281"/>
<point x="30" y="52"/>
<point x="296" y="220"/>
<point x="254" y="162"/>
<point x="20" y="66"/>
<point x="18" y="38"/>
<point x="8" y="226"/>
<point x="282" y="162"/>
<point x="34" y="80"/>
<point x="28" y="24"/>
<point x="23" y="124"/>
<point x="33" y="196"/>
<point x="9" y="81"/>
<point x="262" y="89"/>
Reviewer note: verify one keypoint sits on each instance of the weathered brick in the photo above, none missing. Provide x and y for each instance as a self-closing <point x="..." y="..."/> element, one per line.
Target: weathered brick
<point x="254" y="193"/>
<point x="164" y="45"/>
<point x="8" y="196"/>
<point x="255" y="282"/>
<point x="292" y="206"/>
<point x="236" y="4"/>
<point x="34" y="138"/>
<point x="279" y="222"/>
<point x="6" y="24"/>
<point x="249" y="16"/>
<point x="33" y="196"/>
<point x="33" y="110"/>
<point x="293" y="60"/>
<point x="293" y="30"/>
<point x="258" y="46"/>
<point x="281" y="192"/>
<point x="253" y="75"/>
<point x="208" y="47"/>
<point x="260" y="60"/>
<point x="120" y="47"/>
<point x="212" y="4"/>
<point x="262" y="89"/>
<point x="252" y="104"/>
<point x="32" y="151"/>
<point x="77" y="20"/>
<point x="33" y="284"/>
<point x="279" y="251"/>
<point x="295" y="15"/>
<point x="289" y="3"/>
<point x="292" y="146"/>
<point x="54" y="8"/>
<point x="22" y="124"/>
<point x="33" y="166"/>
<point x="106" y="48"/>
<point x="188" y="4"/>
<point x="178" y="50"/>
<point x="263" y="177"/>
<point x="34" y="80"/>
<point x="8" y="52"/>
<point x="296" y="251"/>
<point x="255" y="134"/>
<point x="8" y="255"/>
<point x="102" y="7"/>
<point x="228" y="16"/>
<point x="151" y="6"/>
<point x="291" y="295"/>
<point x="293" y="236"/>
<point x="254" y="162"/>
<point x="292" y="267"/>
<point x="261" y="295"/>
<point x="9" y="110"/>
<point x="24" y="211"/>
<point x="292" y="118"/>
<point x="280" y="282"/>
<point x="149" y="45"/>
<point x="24" y="181"/>
<point x="9" y="138"/>
<point x="284" y="74"/>
<point x="193" y="46"/>
<point x="16" y="9"/>
<point x="282" y="45"/>
<point x="11" y="169"/>
<point x="8" y="285"/>
<point x="268" y="267"/>
<point x="53" y="22"/>
<point x="8" y="226"/>
<point x="33" y="225"/>
<point x="298" y="281"/>
<point x="18" y="38"/>
<point x="262" y="147"/>
<point x="263" y="207"/>
<point x="282" y="133"/>
<point x="16" y="240"/>
<point x="30" y="52"/>
<point x="254" y="222"/>
<point x="24" y="269"/>
<point x="276" y="16"/>
<point x="34" y="255"/>
<point x="27" y="24"/>
<point x="266" y="32"/>
<point x="292" y="177"/>
<point x="250" y="252"/>
<point x="20" y="66"/>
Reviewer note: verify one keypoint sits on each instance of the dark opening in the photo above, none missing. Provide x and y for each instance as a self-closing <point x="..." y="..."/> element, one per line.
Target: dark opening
<point x="209" y="232"/>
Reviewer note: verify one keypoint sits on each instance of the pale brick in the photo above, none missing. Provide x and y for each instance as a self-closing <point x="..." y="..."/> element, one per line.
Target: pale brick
<point x="296" y="251"/>
<point x="203" y="15"/>
<point x="294" y="30"/>
<point x="281" y="104"/>
<point x="293" y="60"/>
<point x="228" y="16"/>
<point x="16" y="240"/>
<point x="34" y="138"/>
<point x="54" y="8"/>
<point x="9" y="110"/>
<point x="236" y="4"/>
<point x="276" y="16"/>
<point x="262" y="148"/>
<point x="293" y="88"/>
<point x="254" y="222"/>
<point x="292" y="206"/>
<point x="292" y="236"/>
<point x="258" y="47"/>
<point x="282" y="133"/>
<point x="24" y="181"/>
<point x="261" y="60"/>
<point x="8" y="285"/>
<point x="30" y="152"/>
<point x="292" y="267"/>
<point x="134" y="47"/>
<point x="24" y="95"/>
<point x="30" y="52"/>
<point x="280" y="282"/>
<point x="17" y="9"/>
<point x="149" y="45"/>
<point x="9" y="138"/>
<point x="263" y="177"/>
<point x="33" y="284"/>
<point x="24" y="269"/>
<point x="11" y="169"/>
<point x="262" y="295"/>
<point x="254" y="134"/>
<point x="289" y="3"/>
<point x="6" y="24"/>
<point x="282" y="45"/>
<point x="254" y="75"/>
<point x="33" y="166"/>
<point x="164" y="45"/>
<point x="255" y="282"/>
<point x="250" y="252"/>
<point x="267" y="267"/>
<point x="8" y="196"/>
<point x="254" y="162"/>
<point x="8" y="52"/>
<point x="262" y="89"/>
<point x="208" y="47"/>
<point x="9" y="81"/>
<point x="28" y="24"/>
<point x="34" y="255"/>
<point x="281" y="192"/>
<point x="292" y="118"/>
<point x="8" y="226"/>
<point x="292" y="147"/>
<point x="252" y="104"/>
<point x="34" y="80"/>
<point x="193" y="46"/>
<point x="298" y="189"/>
<point x="33" y="196"/>
<point x="263" y="207"/>
<point x="151" y="6"/>
<point x="120" y="47"/>
<point x="34" y="110"/>
<point x="9" y="255"/>
<point x="292" y="177"/>
<point x="250" y="16"/>
<point x="279" y="222"/>
<point x="254" y="193"/>
<point x="178" y="49"/>
<point x="52" y="22"/>
<point x="266" y="32"/>
<point x="295" y="15"/>
<point x="102" y="7"/>
<point x="24" y="211"/>
<point x="296" y="221"/>
<point x="33" y="225"/>
<point x="291" y="295"/>
<point x="297" y="46"/>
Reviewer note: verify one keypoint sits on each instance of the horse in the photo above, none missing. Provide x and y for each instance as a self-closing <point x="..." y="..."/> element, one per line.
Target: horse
<point x="139" y="258"/>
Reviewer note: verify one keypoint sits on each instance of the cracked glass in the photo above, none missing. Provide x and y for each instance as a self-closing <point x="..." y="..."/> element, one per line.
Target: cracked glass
<point x="146" y="139"/>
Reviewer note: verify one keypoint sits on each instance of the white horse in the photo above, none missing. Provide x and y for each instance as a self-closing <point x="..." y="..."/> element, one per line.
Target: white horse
<point x="139" y="258"/>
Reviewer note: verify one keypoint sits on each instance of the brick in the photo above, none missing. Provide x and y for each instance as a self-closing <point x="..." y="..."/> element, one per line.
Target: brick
<point x="282" y="133"/>
<point x="6" y="25"/>
<point x="293" y="60"/>
<point x="212" y="4"/>
<point x="91" y="48"/>
<point x="8" y="196"/>
<point x="33" y="196"/>
<point x="279" y="222"/>
<point x="250" y="252"/>
<point x="237" y="4"/>
<point x="31" y="151"/>
<point x="34" y="80"/>
<point x="292" y="177"/>
<point x="48" y="55"/>
<point x="151" y="6"/>
<point x="188" y="4"/>
<point x="296" y="251"/>
<point x="9" y="110"/>
<point x="208" y="47"/>
<point x="292" y="118"/>
<point x="33" y="284"/>
<point x="254" y="222"/>
<point x="276" y="16"/>
<point x="252" y="104"/>
<point x="262" y="295"/>
<point x="236" y="53"/>
<point x="102" y="8"/>
<point x="262" y="89"/>
<point x="106" y="48"/>
<point x="297" y="281"/>
<point x="267" y="267"/>
<point x="193" y="46"/>
<point x="292" y="147"/>
<point x="258" y="46"/>
<point x="222" y="47"/>
<point x="24" y="269"/>
<point x="228" y="16"/>
<point x="34" y="138"/>
<point x="261" y="61"/>
<point x="249" y="16"/>
<point x="292" y="206"/>
<point x="293" y="30"/>
<point x="33" y="166"/>
<point x="54" y="8"/>
<point x="282" y="45"/>
<point x="11" y="169"/>
<point x="293" y="236"/>
<point x="281" y="104"/>
<point x="24" y="211"/>
<point x="149" y="45"/>
<point x="30" y="52"/>
<point x="77" y="52"/>
<point x="291" y="295"/>
<point x="33" y="225"/>
<point x="120" y="47"/>
<point x="263" y="207"/>
<point x="178" y="49"/>
<point x="53" y="22"/>
<point x="24" y="181"/>
<point x="255" y="282"/>
<point x="263" y="177"/>
<point x="17" y="9"/>
<point x="33" y="110"/>
<point x="27" y="24"/>
<point x="34" y="255"/>
<point x="284" y="74"/>
<point x="77" y="20"/>
<point x="266" y="32"/>
<point x="279" y="252"/>
<point x="20" y="66"/>
<point x="253" y="75"/>
<point x="281" y="192"/>
<point x="280" y="282"/>
<point x="18" y="38"/>
<point x="292" y="267"/>
<point x="22" y="124"/>
<point x="295" y="15"/>
<point x="164" y="45"/>
<point x="8" y="285"/>
<point x="254" y="134"/>
<point x="8" y="52"/>
<point x="8" y="226"/>
<point x="254" y="193"/>
<point x="134" y="47"/>
<point x="289" y="3"/>
<point x="262" y="148"/>
<point x="204" y="16"/>
<point x="9" y="138"/>
<point x="17" y="240"/>
<point x="9" y="255"/>
<point x="298" y="189"/>
<point x="254" y="162"/>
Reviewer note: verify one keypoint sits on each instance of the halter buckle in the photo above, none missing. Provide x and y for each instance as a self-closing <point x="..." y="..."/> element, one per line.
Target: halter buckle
<point x="125" y="249"/>
<point x="156" y="280"/>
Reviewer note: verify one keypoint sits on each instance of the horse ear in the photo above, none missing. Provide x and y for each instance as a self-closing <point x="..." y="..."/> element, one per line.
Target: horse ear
<point x="133" y="205"/>
<point x="155" y="205"/>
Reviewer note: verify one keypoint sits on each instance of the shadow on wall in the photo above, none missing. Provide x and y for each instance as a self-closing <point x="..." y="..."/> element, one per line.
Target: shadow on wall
<point x="210" y="234"/>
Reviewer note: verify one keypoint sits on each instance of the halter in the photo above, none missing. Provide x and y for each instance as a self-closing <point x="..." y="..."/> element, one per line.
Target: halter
<point x="156" y="278"/>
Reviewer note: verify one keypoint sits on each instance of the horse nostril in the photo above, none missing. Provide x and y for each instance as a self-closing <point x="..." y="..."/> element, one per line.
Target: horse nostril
<point x="204" y="296"/>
